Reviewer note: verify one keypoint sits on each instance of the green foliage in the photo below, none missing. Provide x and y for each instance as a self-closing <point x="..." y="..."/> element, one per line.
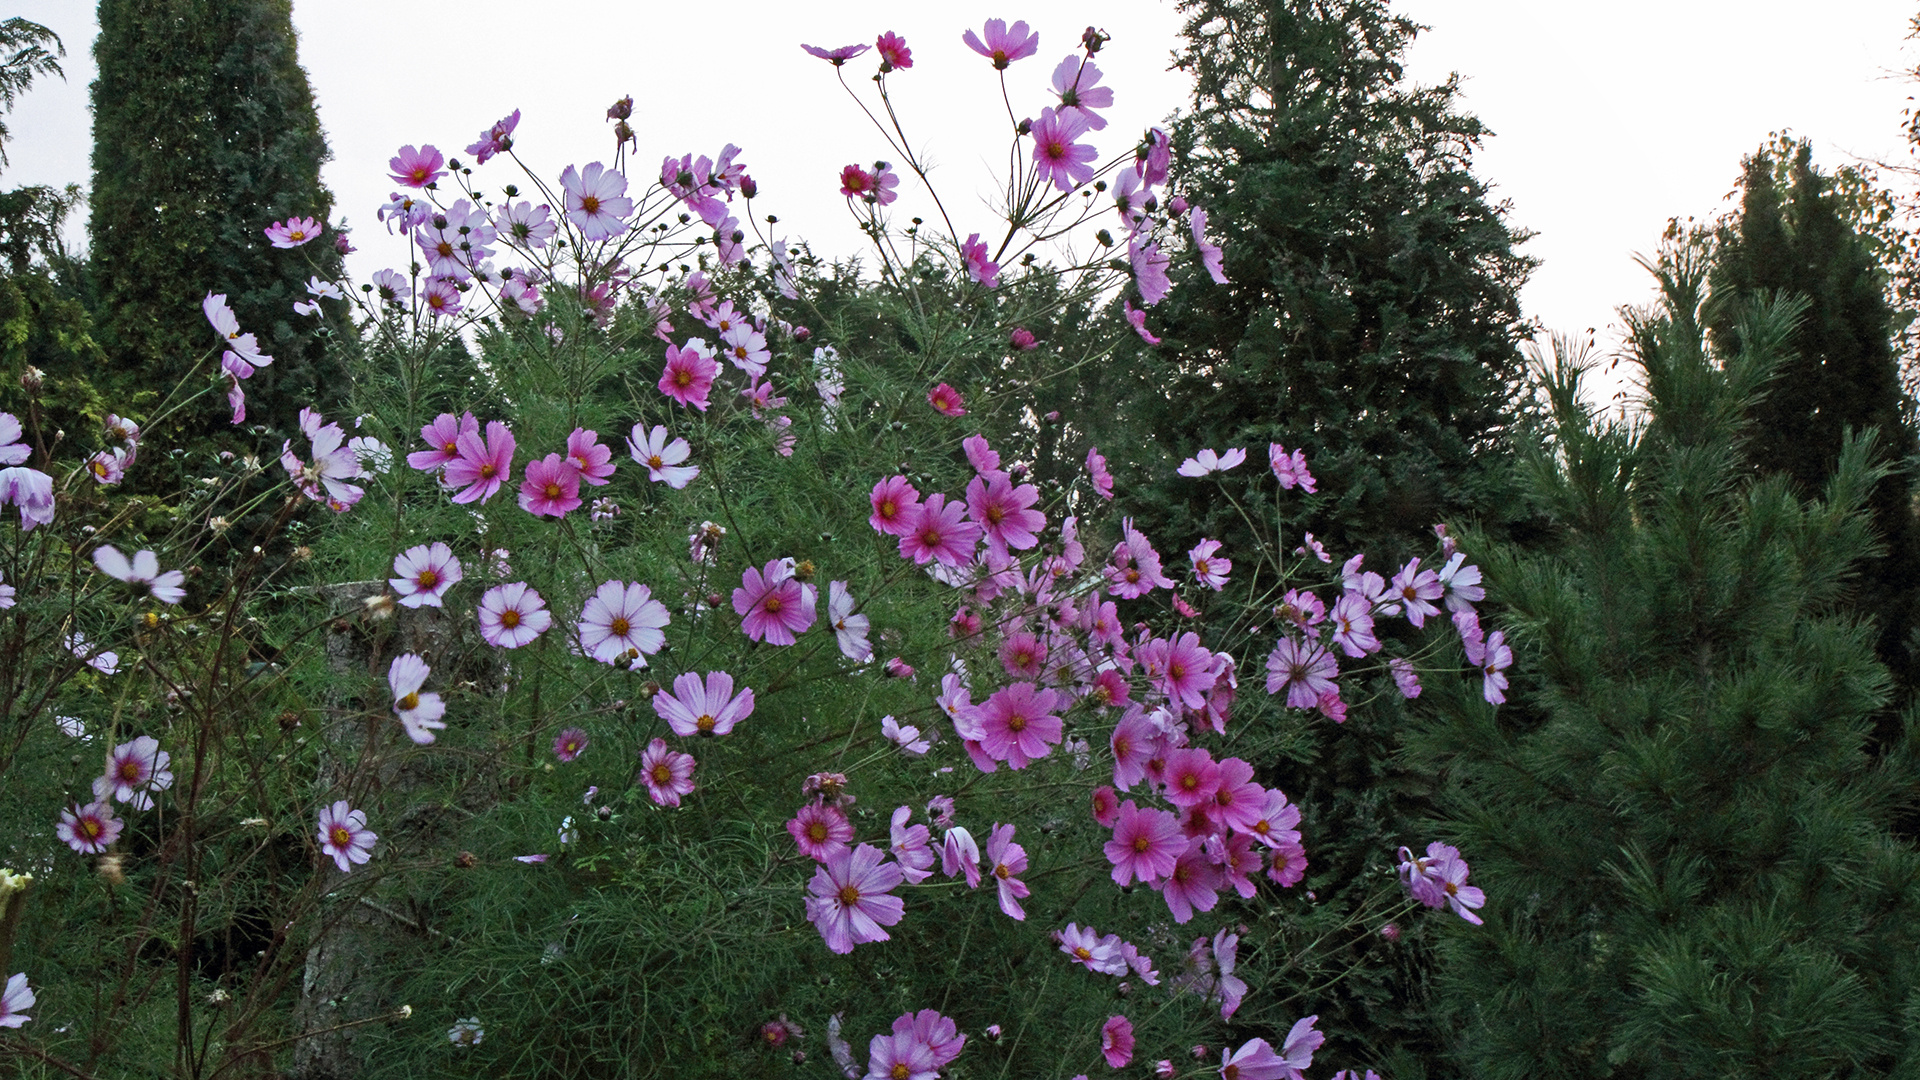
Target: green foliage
<point x="1685" y="846"/>
<point x="204" y="134"/>
<point x="24" y="46"/>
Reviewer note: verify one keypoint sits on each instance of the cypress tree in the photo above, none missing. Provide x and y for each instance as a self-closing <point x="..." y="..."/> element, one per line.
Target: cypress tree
<point x="1686" y="848"/>
<point x="204" y="134"/>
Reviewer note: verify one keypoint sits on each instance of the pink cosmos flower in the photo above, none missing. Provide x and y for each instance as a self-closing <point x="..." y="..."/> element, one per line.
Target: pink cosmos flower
<point x="482" y="465"/>
<point x="1005" y="512"/>
<point x="1074" y="80"/>
<point x="513" y="615"/>
<point x="1133" y="742"/>
<point x="1255" y="1060"/>
<point x="941" y="534"/>
<point x="893" y="52"/>
<point x="551" y="487"/>
<point x="1023" y="339"/>
<point x="1193" y="884"/>
<point x="896" y="505"/>
<point x="89" y="829"/>
<point x="663" y="458"/>
<point x="1462" y="583"/>
<point x="443" y="441"/>
<point x="886" y="184"/>
<point x="1149" y="270"/>
<point x="589" y="457"/>
<point x="344" y="835"/>
<point x="820" y="830"/>
<point x="1290" y="469"/>
<point x="1206" y="461"/>
<point x="596" y="201"/>
<point x="623" y="622"/>
<point x="1231" y="988"/>
<point x="419" y="713"/>
<point x="1187" y="671"/>
<point x="1146" y="844"/>
<point x="417" y="168"/>
<point x="15" y="1001"/>
<point x="1209" y="571"/>
<point x="1116" y="1041"/>
<point x="1493" y="657"/>
<point x="568" y="744"/>
<point x="900" y="1057"/>
<point x="1414" y="588"/>
<point x="856" y="182"/>
<point x="1003" y="46"/>
<point x="496" y="139"/>
<point x="293" y="232"/>
<point x="423" y="574"/>
<point x="1135" y="569"/>
<point x="1192" y="776"/>
<point x="667" y="773"/>
<point x="983" y="270"/>
<point x="746" y="348"/>
<point x="1057" y="158"/>
<point x="911" y="846"/>
<point x="849" y="629"/>
<point x="1097" y="471"/>
<point x="135" y="770"/>
<point x="1440" y="878"/>
<point x="1016" y="724"/>
<point x="1090" y="950"/>
<point x="334" y="463"/>
<point x="946" y="401"/>
<point x="689" y="373"/>
<point x="1305" y="670"/>
<point x="143" y="570"/>
<point x="980" y="455"/>
<point x="1005" y="860"/>
<point x="838" y="56"/>
<point x="773" y="605"/>
<point x="711" y="708"/>
<point x="442" y="297"/>
<point x="850" y="902"/>
<point x="1352" y="619"/>
<point x="1405" y="679"/>
<point x="110" y="466"/>
<point x="1210" y="254"/>
<point x="937" y="1033"/>
<point x="960" y="855"/>
<point x="1138" y="320"/>
<point x="905" y="736"/>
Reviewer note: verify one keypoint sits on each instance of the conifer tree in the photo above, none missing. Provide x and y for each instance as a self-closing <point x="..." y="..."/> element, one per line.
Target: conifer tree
<point x="1841" y="376"/>
<point x="204" y="134"/>
<point x="1686" y="849"/>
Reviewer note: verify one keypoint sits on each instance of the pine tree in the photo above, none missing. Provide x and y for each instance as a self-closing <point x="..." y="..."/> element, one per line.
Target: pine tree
<point x="1793" y="237"/>
<point x="204" y="134"/>
<point x="1685" y="846"/>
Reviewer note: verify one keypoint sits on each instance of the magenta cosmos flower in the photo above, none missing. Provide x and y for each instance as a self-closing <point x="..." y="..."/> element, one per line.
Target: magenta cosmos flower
<point x="703" y="708"/>
<point x="1303" y="669"/>
<point x="983" y="270"/>
<point x="596" y="201"/>
<point x="1003" y="46"/>
<point x="1006" y="861"/>
<point x="895" y="505"/>
<point x="551" y="487"/>
<point x="850" y="902"/>
<point x="569" y="743"/>
<point x="443" y="441"/>
<point x="1493" y="657"/>
<point x="293" y="232"/>
<point x="1005" y="512"/>
<point x="15" y="1001"/>
<point x="1016" y="726"/>
<point x="1290" y="469"/>
<point x="1056" y="156"/>
<point x="820" y="830"/>
<point x="513" y="615"/>
<point x="622" y="621"/>
<point x="89" y="829"/>
<point x="345" y="836"/>
<point x="893" y="52"/>
<point x="1208" y="569"/>
<point x="941" y="533"/>
<point x="496" y="139"/>
<point x="1097" y="472"/>
<point x="419" y="713"/>
<point x="1145" y="845"/>
<point x="689" y="373"/>
<point x="482" y="466"/>
<point x="667" y="773"/>
<point x="423" y="574"/>
<point x="1116" y="1041"/>
<point x="143" y="570"/>
<point x="592" y="459"/>
<point x="773" y="606"/>
<point x="417" y="168"/>
<point x="946" y="401"/>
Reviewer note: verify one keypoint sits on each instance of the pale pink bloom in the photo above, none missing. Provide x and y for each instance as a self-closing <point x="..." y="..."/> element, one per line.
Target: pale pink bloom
<point x="551" y="487"/>
<point x="959" y="855"/>
<point x="423" y="574"/>
<point x="1138" y="320"/>
<point x="1232" y="988"/>
<point x="89" y="829"/>
<point x="940" y="811"/>
<point x="935" y="1032"/>
<point x="1405" y="679"/>
<point x="905" y="736"/>
<point x="1089" y="949"/>
<point x="1016" y="724"/>
<point x="1255" y="1060"/>
<point x="1116" y="1041"/>
<point x="135" y="770"/>
<point x="1210" y="254"/>
<point x="773" y="605"/>
<point x="1097" y="471"/>
<point x="1075" y="79"/>
<point x="1297" y="1051"/>
<point x="1310" y="546"/>
<point x="838" y="56"/>
<point x="850" y="899"/>
<point x="32" y="491"/>
<point x="344" y="835"/>
<point x="1156" y="158"/>
<point x="293" y="232"/>
<point x="663" y="457"/>
<point x="668" y="774"/>
<point x="334" y="463"/>
<point x="1290" y="469"/>
<point x="1353" y="625"/>
<point x="885" y="183"/>
<point x="419" y="713"/>
<point x="513" y="615"/>
<point x="689" y="373"/>
<point x="941" y="534"/>
<point x="496" y="139"/>
<point x="1414" y="588"/>
<point x="568" y="744"/>
<point x="1146" y="844"/>
<point x="900" y="1057"/>
<point x="15" y="1001"/>
<point x="1207" y="570"/>
<point x="623" y="622"/>
<point x="590" y="457"/>
<point x="1493" y="657"/>
<point x="143" y="570"/>
<point x="1135" y="567"/>
<point x="1057" y="158"/>
<point x="746" y="349"/>
<point x="443" y="441"/>
<point x="417" y="168"/>
<point x="1006" y="860"/>
<point x="1149" y="270"/>
<point x="983" y="270"/>
<point x="482" y="465"/>
<point x="442" y="297"/>
<point x="1206" y="461"/>
<point x="849" y="629"/>
<point x="1462" y="582"/>
<point x="525" y="225"/>
<point x="911" y="846"/>
<point x="1003" y="46"/>
<point x="946" y="401"/>
<point x="596" y="201"/>
<point x="983" y="457"/>
<point x="820" y="829"/>
<point x="709" y="708"/>
<point x="1303" y="669"/>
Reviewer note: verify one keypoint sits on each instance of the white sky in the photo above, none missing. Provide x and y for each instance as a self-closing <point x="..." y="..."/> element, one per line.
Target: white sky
<point x="1608" y="121"/>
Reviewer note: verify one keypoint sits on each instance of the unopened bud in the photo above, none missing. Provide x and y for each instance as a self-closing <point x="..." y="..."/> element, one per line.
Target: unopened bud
<point x="622" y="109"/>
<point x="32" y="379"/>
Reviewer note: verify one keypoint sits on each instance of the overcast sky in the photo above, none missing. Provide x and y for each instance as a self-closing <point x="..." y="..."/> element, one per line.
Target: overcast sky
<point x="1608" y="121"/>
